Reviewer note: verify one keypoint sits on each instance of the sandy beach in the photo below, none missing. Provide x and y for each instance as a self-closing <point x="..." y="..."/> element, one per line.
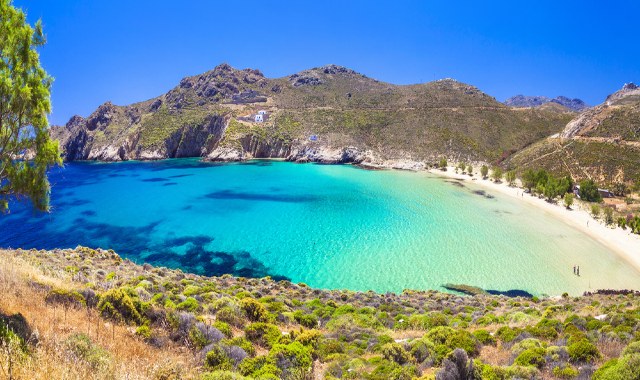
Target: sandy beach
<point x="622" y="242"/>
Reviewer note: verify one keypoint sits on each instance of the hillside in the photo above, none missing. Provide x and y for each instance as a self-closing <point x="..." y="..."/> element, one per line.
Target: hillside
<point x="520" y="101"/>
<point x="87" y="313"/>
<point x="355" y="118"/>
<point x="602" y="143"/>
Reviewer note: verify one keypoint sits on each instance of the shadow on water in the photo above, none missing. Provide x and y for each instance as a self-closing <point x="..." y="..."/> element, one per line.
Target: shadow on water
<point x="511" y="293"/>
<point x="483" y="194"/>
<point x="157" y="179"/>
<point x="238" y="195"/>
<point x="169" y="184"/>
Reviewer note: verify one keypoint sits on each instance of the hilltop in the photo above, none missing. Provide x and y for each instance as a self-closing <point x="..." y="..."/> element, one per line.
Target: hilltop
<point x="601" y="143"/>
<point x="351" y="117"/>
<point x="522" y="101"/>
<point x="85" y="313"/>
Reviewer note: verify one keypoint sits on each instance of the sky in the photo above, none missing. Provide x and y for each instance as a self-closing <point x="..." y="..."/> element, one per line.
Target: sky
<point x="129" y="51"/>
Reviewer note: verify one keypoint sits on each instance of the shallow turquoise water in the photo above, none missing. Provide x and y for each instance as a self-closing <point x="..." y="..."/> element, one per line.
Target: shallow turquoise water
<point x="327" y="226"/>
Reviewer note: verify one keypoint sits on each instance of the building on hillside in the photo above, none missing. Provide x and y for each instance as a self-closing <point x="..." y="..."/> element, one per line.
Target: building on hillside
<point x="262" y="112"/>
<point x="258" y="118"/>
<point x="604" y="193"/>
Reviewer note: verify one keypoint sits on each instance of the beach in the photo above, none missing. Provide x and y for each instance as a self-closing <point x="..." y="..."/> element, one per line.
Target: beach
<point x="622" y="242"/>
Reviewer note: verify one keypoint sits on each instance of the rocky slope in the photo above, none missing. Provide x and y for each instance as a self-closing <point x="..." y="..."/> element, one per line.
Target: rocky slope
<point x="351" y="117"/>
<point x="522" y="101"/>
<point x="602" y="143"/>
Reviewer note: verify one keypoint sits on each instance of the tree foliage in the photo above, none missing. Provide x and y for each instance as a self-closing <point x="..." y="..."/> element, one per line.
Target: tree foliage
<point x="589" y="191"/>
<point x="26" y="150"/>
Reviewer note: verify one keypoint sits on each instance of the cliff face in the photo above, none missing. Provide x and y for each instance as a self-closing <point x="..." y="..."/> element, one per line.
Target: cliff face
<point x="522" y="101"/>
<point x="315" y="115"/>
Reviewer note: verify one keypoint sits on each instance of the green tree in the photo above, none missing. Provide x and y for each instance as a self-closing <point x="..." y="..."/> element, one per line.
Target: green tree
<point x="595" y="210"/>
<point x="529" y="179"/>
<point x="510" y="176"/>
<point x="443" y="164"/>
<point x="496" y="173"/>
<point x="589" y="191"/>
<point x="461" y="167"/>
<point x="608" y="215"/>
<point x="568" y="200"/>
<point x="484" y="171"/>
<point x="470" y="170"/>
<point x="26" y="150"/>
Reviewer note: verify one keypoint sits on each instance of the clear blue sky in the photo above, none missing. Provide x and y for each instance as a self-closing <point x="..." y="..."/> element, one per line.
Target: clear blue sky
<point x="127" y="51"/>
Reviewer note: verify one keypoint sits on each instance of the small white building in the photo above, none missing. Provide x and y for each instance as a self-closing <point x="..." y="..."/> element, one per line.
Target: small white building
<point x="262" y="112"/>
<point x="259" y="118"/>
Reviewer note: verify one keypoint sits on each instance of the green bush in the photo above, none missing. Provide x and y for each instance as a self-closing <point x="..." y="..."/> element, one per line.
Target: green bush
<point x="565" y="372"/>
<point x="625" y="368"/>
<point x="583" y="351"/>
<point x="65" y="298"/>
<point x="217" y="359"/>
<point x="223" y="375"/>
<point x="264" y="334"/>
<point x="291" y="358"/>
<point x="307" y="320"/>
<point x="531" y="357"/>
<point x="256" y="312"/>
<point x="589" y="191"/>
<point x="507" y="334"/>
<point x="190" y="304"/>
<point x="121" y="304"/>
<point x="484" y="337"/>
<point x="396" y="353"/>
<point x="144" y="332"/>
<point x="81" y="347"/>
<point x="446" y="339"/>
<point x="224" y="328"/>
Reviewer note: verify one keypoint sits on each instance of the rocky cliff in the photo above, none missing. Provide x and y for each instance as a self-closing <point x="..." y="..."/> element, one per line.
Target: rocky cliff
<point x="328" y="114"/>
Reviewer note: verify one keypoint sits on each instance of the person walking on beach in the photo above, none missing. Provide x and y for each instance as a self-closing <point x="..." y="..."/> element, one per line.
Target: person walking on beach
<point x="578" y="271"/>
<point x="574" y="269"/>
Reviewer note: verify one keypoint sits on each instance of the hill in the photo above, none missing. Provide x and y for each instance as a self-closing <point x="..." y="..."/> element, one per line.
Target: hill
<point x="84" y="313"/>
<point x="350" y="116"/>
<point x="522" y="101"/>
<point x="602" y="143"/>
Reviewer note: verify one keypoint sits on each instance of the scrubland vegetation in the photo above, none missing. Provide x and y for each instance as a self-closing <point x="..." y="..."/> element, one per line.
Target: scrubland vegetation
<point x="87" y="313"/>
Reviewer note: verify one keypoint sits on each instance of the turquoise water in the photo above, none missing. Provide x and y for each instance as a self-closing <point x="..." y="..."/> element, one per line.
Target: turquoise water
<point x="327" y="226"/>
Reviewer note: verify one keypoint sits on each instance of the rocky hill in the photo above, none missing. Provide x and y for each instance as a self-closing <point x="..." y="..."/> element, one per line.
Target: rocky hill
<point x="88" y="314"/>
<point x="328" y="114"/>
<point x="521" y="101"/>
<point x="602" y="143"/>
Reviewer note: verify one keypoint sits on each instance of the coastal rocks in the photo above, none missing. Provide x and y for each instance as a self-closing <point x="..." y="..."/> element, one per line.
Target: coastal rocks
<point x="325" y="155"/>
<point x="226" y="154"/>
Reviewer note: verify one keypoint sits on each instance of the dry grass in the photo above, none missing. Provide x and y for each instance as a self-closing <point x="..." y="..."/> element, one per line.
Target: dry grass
<point x="50" y="358"/>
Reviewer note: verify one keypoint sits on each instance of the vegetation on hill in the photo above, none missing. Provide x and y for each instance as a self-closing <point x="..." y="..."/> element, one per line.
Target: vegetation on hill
<point x="84" y="312"/>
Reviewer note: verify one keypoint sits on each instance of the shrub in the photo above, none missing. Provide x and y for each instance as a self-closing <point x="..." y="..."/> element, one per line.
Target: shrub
<point x="446" y="339"/>
<point x="292" y="357"/>
<point x="256" y="312"/>
<point x="66" y="298"/>
<point x="189" y="304"/>
<point x="201" y="335"/>
<point x="531" y="357"/>
<point x="229" y="314"/>
<point x="595" y="210"/>
<point x="583" y="351"/>
<point x="421" y="350"/>
<point x="307" y="320"/>
<point x="309" y="338"/>
<point x="395" y="353"/>
<point x="264" y="334"/>
<point x="82" y="348"/>
<point x="224" y="328"/>
<point x="626" y="367"/>
<point x="496" y="173"/>
<point x="507" y="334"/>
<point x="217" y="359"/>
<point x="565" y="372"/>
<point x="223" y="375"/>
<point x="633" y="348"/>
<point x="458" y="366"/>
<point x="121" y="304"/>
<point x="144" y="332"/>
<point x="484" y="337"/>
<point x="484" y="171"/>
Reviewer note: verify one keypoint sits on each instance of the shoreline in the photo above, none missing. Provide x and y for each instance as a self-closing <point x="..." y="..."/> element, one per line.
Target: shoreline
<point x="623" y="243"/>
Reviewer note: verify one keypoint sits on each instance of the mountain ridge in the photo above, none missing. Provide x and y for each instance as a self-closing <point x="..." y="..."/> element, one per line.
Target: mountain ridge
<point x="208" y="115"/>
<point x="521" y="101"/>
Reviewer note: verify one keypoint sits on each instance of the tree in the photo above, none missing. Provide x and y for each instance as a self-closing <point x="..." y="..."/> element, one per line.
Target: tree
<point x="529" y="179"/>
<point x="443" y="164"/>
<point x="589" y="191"/>
<point x="568" y="200"/>
<point x="461" y="166"/>
<point x="595" y="210"/>
<point x="608" y="215"/>
<point x="496" y="173"/>
<point x="510" y="176"/>
<point x="620" y="189"/>
<point x="484" y="171"/>
<point x="470" y="170"/>
<point x="26" y="150"/>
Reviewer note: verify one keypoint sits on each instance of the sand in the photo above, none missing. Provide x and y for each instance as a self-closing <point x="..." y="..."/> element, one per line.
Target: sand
<point x="622" y="242"/>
